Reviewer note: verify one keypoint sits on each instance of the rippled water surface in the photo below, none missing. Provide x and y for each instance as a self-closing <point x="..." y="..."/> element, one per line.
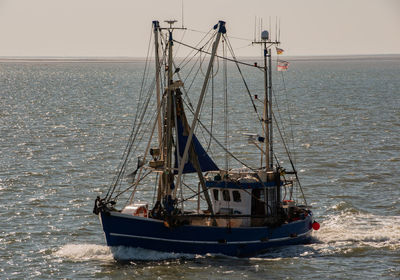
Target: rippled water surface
<point x="64" y="127"/>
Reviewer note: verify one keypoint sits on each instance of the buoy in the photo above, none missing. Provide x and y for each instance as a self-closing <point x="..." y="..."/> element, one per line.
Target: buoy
<point x="141" y="212"/>
<point x="315" y="225"/>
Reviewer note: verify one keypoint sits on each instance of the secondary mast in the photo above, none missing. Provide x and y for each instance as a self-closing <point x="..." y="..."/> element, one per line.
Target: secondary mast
<point x="267" y="112"/>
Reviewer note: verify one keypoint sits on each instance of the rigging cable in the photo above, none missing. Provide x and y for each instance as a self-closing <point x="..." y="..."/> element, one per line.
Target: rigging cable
<point x="177" y="49"/>
<point x="283" y="135"/>
<point x="139" y="132"/>
<point x="212" y="91"/>
<point x="135" y="133"/>
<point x="192" y="82"/>
<point x="200" y="122"/>
<point x="195" y="49"/>
<point x="131" y="186"/>
<point x="145" y="73"/>
<point x="132" y="135"/>
<point x="191" y="69"/>
<point x="290" y="159"/>
<point x="201" y="63"/>
<point x="183" y="87"/>
<point x="290" y="118"/>
<point x="238" y="38"/>
<point x="147" y="150"/>
<point x="131" y="141"/>
<point x="212" y="109"/>
<point x="243" y="79"/>
<point x="225" y="148"/>
<point x="232" y="60"/>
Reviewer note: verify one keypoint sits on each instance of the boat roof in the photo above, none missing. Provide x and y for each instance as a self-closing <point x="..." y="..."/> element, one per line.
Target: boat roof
<point x="239" y="184"/>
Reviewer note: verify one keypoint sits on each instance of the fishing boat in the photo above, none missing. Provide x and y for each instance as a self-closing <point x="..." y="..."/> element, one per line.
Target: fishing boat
<point x="181" y="197"/>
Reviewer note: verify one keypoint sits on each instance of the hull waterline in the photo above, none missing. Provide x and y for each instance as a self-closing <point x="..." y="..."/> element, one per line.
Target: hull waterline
<point x="130" y="231"/>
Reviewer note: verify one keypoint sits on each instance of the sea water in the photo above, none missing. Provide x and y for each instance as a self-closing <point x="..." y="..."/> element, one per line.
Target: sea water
<point x="64" y="126"/>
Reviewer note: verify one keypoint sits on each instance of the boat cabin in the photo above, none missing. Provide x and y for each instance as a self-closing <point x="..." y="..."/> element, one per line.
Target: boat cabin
<point x="242" y="197"/>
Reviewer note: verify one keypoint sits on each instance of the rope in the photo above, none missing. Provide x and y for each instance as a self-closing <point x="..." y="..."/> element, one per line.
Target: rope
<point x="290" y="118"/>
<point x="132" y="136"/>
<point x="212" y="111"/>
<point x="225" y="82"/>
<point x="290" y="159"/>
<point x="196" y="48"/>
<point x="201" y="63"/>
<point x="232" y="60"/>
<point x="245" y="83"/>
<point x="129" y="150"/>
<point x="238" y="38"/>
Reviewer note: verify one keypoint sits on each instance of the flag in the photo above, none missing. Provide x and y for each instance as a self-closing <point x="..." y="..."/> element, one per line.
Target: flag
<point x="279" y="51"/>
<point x="282" y="65"/>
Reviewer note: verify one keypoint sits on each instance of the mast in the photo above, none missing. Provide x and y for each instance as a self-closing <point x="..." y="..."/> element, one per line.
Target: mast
<point x="267" y="112"/>
<point x="271" y="143"/>
<point x="156" y="30"/>
<point x="169" y="118"/>
<point x="167" y="178"/>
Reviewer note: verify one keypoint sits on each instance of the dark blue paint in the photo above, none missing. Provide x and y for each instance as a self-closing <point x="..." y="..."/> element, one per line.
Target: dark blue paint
<point x="130" y="225"/>
<point x="238" y="185"/>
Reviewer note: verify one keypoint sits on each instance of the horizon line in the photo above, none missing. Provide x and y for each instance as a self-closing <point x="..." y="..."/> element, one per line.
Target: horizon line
<point x="140" y="58"/>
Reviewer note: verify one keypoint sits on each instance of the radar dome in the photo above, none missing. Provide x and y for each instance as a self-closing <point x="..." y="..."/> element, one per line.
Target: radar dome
<point x="265" y="35"/>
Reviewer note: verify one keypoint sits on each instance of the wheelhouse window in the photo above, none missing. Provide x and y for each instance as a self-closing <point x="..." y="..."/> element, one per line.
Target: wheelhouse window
<point x="216" y="192"/>
<point x="225" y="195"/>
<point x="236" y="196"/>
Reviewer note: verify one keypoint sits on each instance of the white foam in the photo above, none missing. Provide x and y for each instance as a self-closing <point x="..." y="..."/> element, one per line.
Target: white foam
<point x="140" y="254"/>
<point x="364" y="229"/>
<point x="84" y="252"/>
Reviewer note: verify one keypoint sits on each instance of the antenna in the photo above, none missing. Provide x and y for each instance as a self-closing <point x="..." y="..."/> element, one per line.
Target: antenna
<point x="276" y="28"/>
<point x="255" y="27"/>
<point x="182" y="13"/>
<point x="270" y="29"/>
<point x="279" y="32"/>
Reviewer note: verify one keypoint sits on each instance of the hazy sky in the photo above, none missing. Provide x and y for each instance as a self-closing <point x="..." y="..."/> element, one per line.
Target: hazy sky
<point x="122" y="27"/>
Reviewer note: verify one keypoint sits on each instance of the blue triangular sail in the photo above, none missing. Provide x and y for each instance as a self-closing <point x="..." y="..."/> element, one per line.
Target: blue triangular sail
<point x="206" y="163"/>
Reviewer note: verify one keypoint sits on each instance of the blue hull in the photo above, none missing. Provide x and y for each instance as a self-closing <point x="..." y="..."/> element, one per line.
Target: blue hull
<point x="130" y="231"/>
